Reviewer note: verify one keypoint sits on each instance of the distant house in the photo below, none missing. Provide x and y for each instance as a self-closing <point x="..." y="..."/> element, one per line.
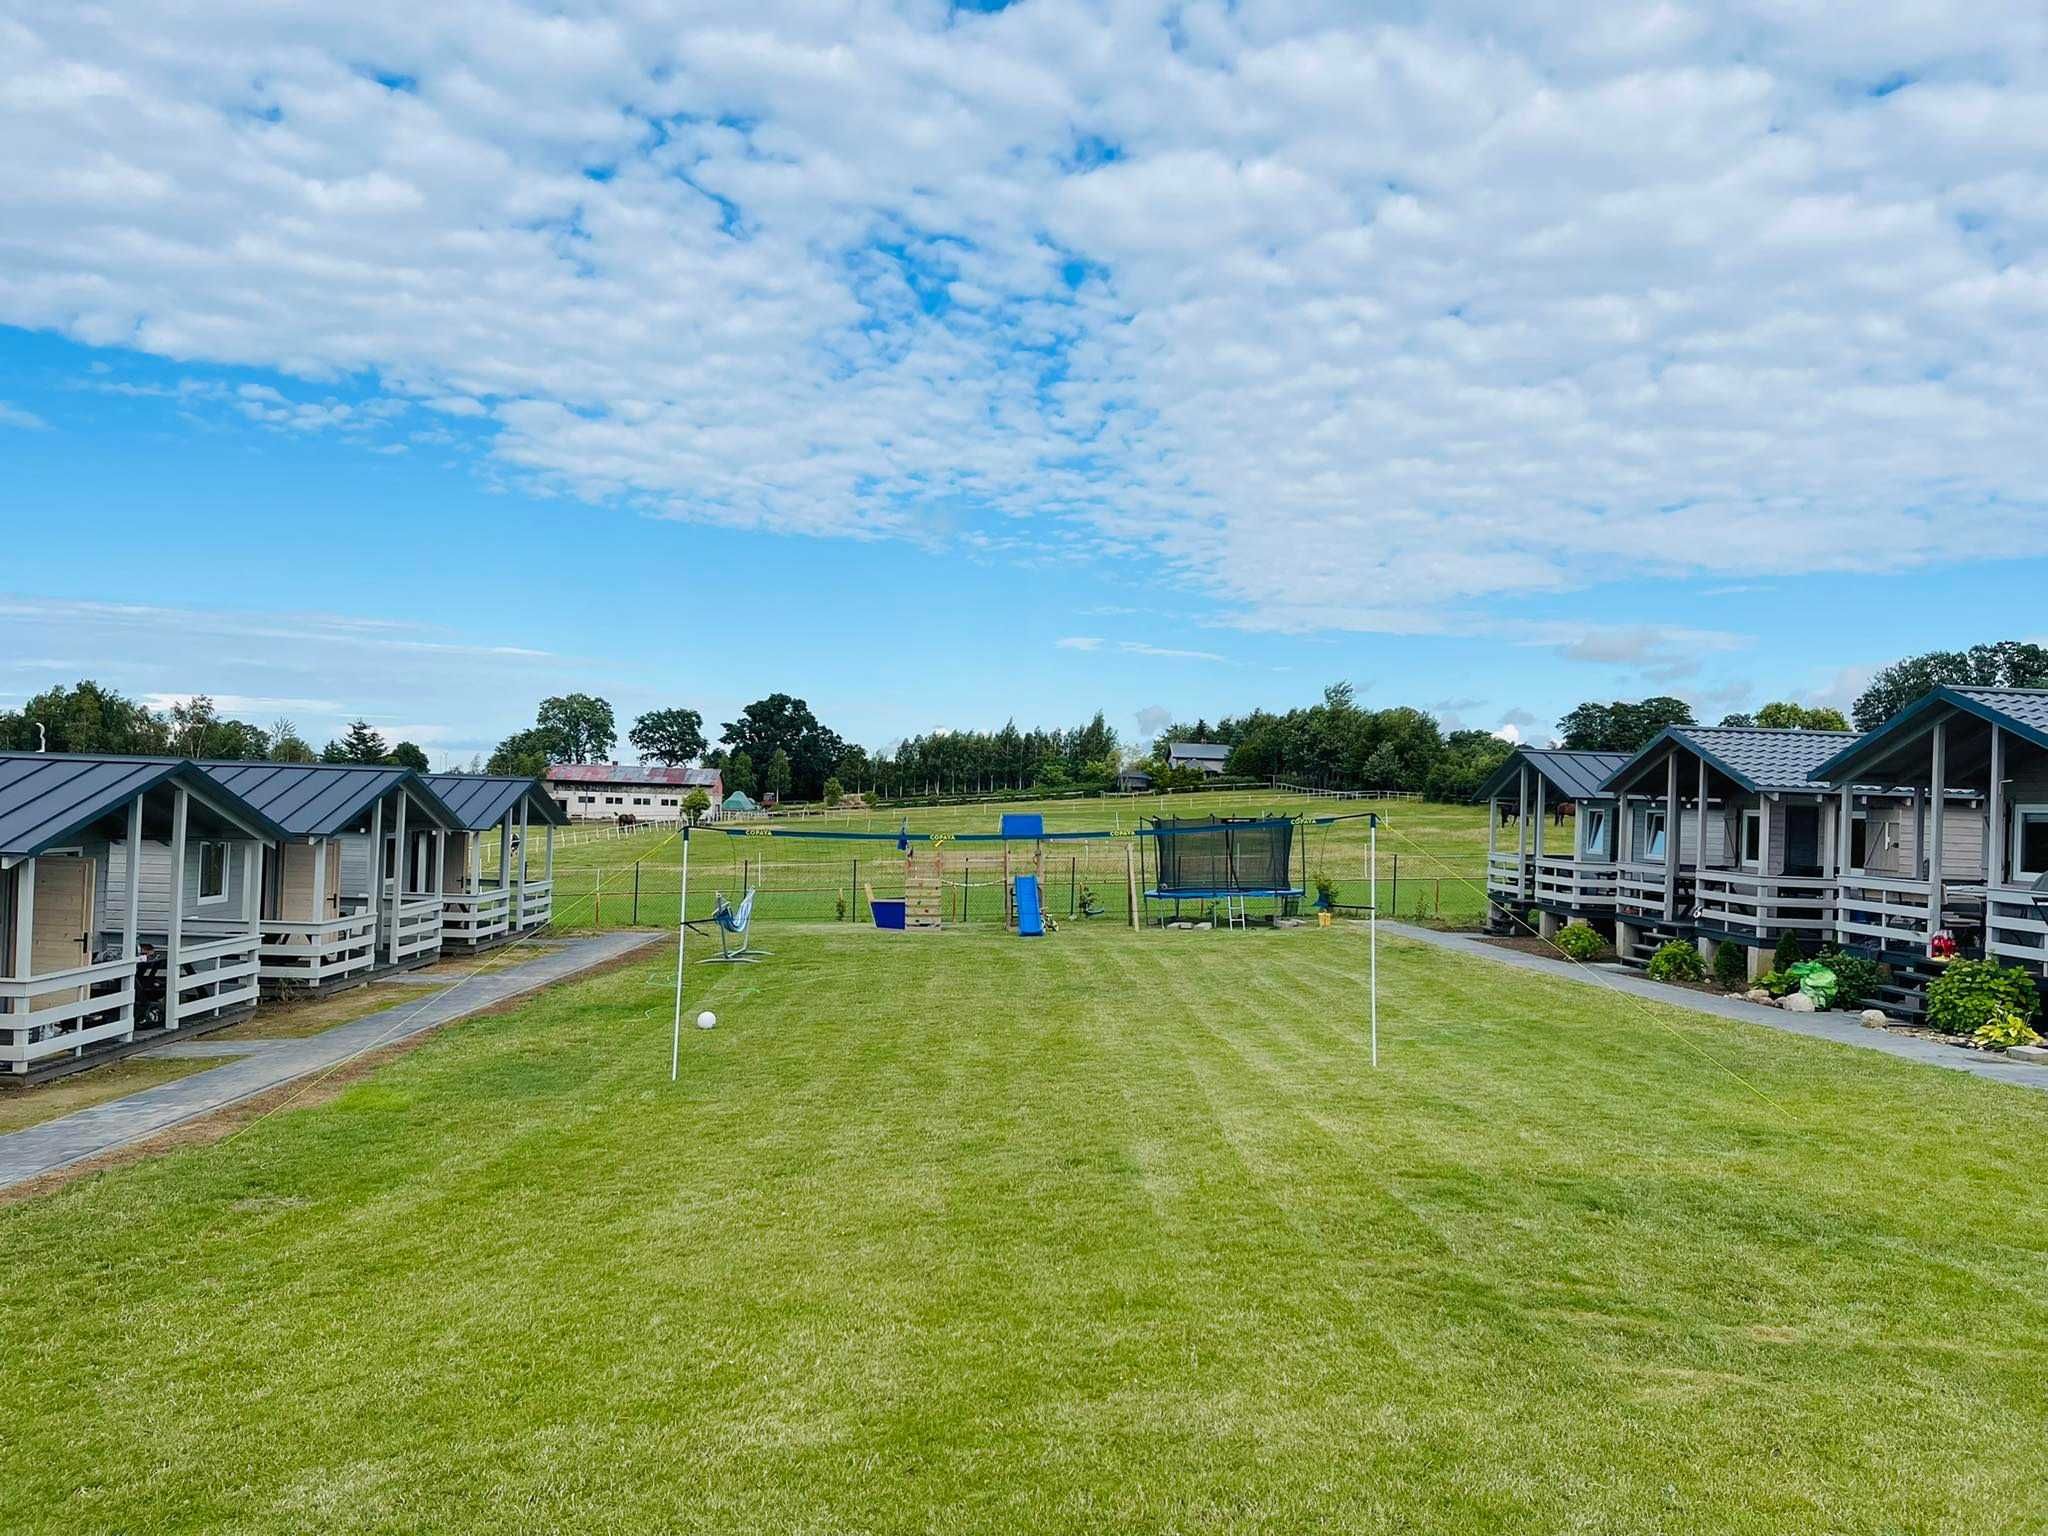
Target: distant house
<point x="1133" y="781"/>
<point x="643" y="791"/>
<point x="1208" y="756"/>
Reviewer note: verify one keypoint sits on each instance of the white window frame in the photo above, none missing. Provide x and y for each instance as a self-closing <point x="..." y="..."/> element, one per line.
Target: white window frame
<point x="2021" y="814"/>
<point x="1743" y="857"/>
<point x="206" y="847"/>
<point x="1594" y="825"/>
<point x="1655" y="829"/>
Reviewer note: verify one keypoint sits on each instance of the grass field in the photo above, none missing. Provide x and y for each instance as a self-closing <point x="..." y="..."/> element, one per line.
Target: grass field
<point x="1432" y="860"/>
<point x="1110" y="1231"/>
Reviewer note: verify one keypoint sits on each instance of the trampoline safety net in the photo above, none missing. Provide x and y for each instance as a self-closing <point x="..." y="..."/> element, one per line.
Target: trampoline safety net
<point x="1211" y="856"/>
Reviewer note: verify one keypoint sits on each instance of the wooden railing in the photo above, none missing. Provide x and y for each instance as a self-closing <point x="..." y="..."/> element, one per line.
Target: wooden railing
<point x="1567" y="882"/>
<point x="1504" y="875"/>
<point x="534" y="903"/>
<point x="65" y="1011"/>
<point x="217" y="973"/>
<point x="2015" y="930"/>
<point x="413" y="929"/>
<point x="472" y="917"/>
<point x="313" y="954"/>
<point x="1764" y="906"/>
<point x="1639" y="891"/>
<point x="1886" y="912"/>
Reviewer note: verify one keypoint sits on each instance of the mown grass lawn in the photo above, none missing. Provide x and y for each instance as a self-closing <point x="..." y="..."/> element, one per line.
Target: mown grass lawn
<point x="1100" y="1232"/>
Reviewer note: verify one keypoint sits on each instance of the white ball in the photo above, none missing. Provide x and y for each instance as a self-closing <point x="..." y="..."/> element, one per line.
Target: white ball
<point x="707" y="1019"/>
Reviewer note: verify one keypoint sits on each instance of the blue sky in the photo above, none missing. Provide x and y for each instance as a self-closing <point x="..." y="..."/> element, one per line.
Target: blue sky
<point x="944" y="367"/>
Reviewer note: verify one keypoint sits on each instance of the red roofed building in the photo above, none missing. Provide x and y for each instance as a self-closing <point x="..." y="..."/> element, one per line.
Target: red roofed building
<point x="643" y="791"/>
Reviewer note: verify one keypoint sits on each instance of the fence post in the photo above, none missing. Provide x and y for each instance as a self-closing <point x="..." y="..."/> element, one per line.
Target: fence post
<point x="1395" y="903"/>
<point x="597" y="900"/>
<point x="856" y="890"/>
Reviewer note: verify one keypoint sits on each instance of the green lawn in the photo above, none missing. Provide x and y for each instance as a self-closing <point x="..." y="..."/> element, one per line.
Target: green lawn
<point x="1432" y="859"/>
<point x="1102" y="1232"/>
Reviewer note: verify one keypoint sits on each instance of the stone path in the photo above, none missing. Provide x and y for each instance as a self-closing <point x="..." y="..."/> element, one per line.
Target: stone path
<point x="265" y="1064"/>
<point x="1841" y="1028"/>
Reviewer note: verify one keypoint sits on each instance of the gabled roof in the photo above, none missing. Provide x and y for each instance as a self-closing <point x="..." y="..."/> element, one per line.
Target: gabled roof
<point x="1574" y="775"/>
<point x="48" y="797"/>
<point x="480" y="800"/>
<point x="632" y="773"/>
<point x="2023" y="711"/>
<point x="320" y="799"/>
<point x="1203" y="751"/>
<point x="1761" y="761"/>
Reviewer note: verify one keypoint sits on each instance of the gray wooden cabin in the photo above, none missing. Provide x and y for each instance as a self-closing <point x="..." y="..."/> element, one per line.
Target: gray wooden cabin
<point x="479" y="910"/>
<point x="1726" y="834"/>
<point x="1979" y="870"/>
<point x="1562" y="860"/>
<point x="353" y="886"/>
<point x="127" y="905"/>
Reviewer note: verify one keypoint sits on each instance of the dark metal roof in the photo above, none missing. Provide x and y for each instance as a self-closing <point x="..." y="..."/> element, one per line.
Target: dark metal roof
<point x="47" y="797"/>
<point x="320" y="799"/>
<point x="1574" y="775"/>
<point x="480" y="800"/>
<point x="1761" y="761"/>
<point x="2023" y="711"/>
<point x="1202" y="751"/>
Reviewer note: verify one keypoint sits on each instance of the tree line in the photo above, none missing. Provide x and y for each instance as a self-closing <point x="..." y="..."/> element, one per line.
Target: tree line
<point x="93" y="719"/>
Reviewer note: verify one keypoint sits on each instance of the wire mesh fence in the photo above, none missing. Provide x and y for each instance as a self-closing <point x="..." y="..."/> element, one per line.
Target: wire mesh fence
<point x="1081" y="883"/>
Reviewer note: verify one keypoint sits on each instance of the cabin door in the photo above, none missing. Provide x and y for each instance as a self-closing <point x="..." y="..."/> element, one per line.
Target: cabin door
<point x="1802" y="839"/>
<point x="62" y="939"/>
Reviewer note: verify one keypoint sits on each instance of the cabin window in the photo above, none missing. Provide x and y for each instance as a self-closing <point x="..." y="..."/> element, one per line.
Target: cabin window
<point x="1593" y="831"/>
<point x="1859" y="841"/>
<point x="1752" y="839"/>
<point x="213" y="871"/>
<point x="2029" y="842"/>
<point x="1653" y="835"/>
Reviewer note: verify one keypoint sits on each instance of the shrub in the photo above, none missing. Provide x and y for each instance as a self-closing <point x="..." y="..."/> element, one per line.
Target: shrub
<point x="1326" y="892"/>
<point x="1677" y="961"/>
<point x="1731" y="966"/>
<point x="1969" y="994"/>
<point x="1790" y="952"/>
<point x="1579" y="942"/>
<point x="839" y="909"/>
<point x="2004" y="1030"/>
<point x="1856" y="979"/>
<point x="1778" y="983"/>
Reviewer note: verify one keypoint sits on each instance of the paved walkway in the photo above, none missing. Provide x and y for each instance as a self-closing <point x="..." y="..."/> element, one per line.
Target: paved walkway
<point x="265" y="1064"/>
<point x="1842" y="1028"/>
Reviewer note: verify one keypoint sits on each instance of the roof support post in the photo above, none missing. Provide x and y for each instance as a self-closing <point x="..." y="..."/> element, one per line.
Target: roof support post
<point x="1996" y="841"/>
<point x="1492" y="827"/>
<point x="131" y="918"/>
<point x="505" y="853"/>
<point x="25" y="921"/>
<point x="375" y="902"/>
<point x="181" y="810"/>
<point x="1937" y="819"/>
<point x="1522" y="837"/>
<point x="1701" y="857"/>
<point x="1542" y="811"/>
<point x="1674" y="831"/>
<point x="319" y="912"/>
<point x="522" y="858"/>
<point x="550" y="836"/>
<point x="1845" y="828"/>
<point x="252" y="886"/>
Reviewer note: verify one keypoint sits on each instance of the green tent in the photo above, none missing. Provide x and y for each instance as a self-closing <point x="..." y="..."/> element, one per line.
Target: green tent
<point x="739" y="800"/>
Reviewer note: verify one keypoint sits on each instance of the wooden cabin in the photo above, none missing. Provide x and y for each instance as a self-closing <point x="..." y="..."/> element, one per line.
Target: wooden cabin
<point x="1977" y="870"/>
<point x="1562" y="861"/>
<point x="481" y="909"/>
<point x="1726" y="834"/>
<point x="352" y="886"/>
<point x="128" y="906"/>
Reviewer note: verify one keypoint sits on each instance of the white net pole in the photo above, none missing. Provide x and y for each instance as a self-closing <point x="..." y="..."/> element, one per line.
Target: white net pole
<point x="1372" y="926"/>
<point x="675" y="1045"/>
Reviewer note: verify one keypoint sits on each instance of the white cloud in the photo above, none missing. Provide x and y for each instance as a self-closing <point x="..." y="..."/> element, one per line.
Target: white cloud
<point x="1350" y="325"/>
<point x="1078" y="643"/>
<point x="1167" y="652"/>
<point x="15" y="416"/>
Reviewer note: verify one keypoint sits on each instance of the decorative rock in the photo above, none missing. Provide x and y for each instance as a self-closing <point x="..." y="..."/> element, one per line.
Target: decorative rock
<point x="2036" y="1054"/>
<point x="1875" y="1018"/>
<point x="1797" y="1002"/>
<point x="1760" y="995"/>
<point x="1203" y="927"/>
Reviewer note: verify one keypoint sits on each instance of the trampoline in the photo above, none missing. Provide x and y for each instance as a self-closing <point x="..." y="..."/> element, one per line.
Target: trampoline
<point x="1231" y="860"/>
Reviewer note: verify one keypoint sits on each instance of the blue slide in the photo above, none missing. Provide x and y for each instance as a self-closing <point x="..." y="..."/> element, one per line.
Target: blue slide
<point x="1030" y="920"/>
